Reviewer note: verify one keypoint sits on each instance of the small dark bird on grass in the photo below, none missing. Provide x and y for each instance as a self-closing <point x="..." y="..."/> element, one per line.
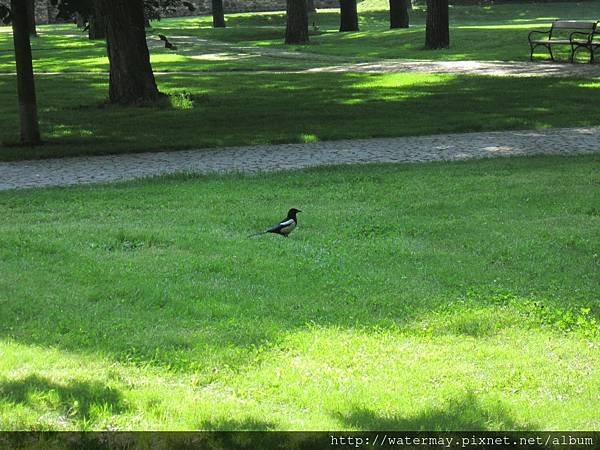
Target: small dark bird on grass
<point x="285" y="227"/>
<point x="168" y="45"/>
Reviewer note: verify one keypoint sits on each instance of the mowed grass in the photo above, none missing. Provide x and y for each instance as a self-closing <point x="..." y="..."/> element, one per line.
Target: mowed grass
<point x="491" y="32"/>
<point x="232" y="109"/>
<point x="440" y="296"/>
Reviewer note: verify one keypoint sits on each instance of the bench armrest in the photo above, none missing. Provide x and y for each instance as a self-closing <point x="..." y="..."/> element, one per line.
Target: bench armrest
<point x="531" y="33"/>
<point x="587" y="36"/>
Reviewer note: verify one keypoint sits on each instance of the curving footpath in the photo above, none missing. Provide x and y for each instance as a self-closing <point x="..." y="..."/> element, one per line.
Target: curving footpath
<point x="251" y="159"/>
<point x="476" y="68"/>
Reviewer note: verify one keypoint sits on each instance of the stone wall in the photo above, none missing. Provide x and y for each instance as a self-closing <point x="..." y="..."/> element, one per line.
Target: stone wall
<point x="236" y="6"/>
<point x="41" y="11"/>
<point x="45" y="13"/>
<point x="233" y="6"/>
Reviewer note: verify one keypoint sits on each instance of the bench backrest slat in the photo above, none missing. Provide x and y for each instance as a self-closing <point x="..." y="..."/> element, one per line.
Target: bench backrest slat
<point x="574" y="24"/>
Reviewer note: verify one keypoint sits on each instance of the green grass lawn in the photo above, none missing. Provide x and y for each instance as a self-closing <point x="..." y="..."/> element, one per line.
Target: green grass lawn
<point x="439" y="296"/>
<point x="270" y="108"/>
<point x="496" y="32"/>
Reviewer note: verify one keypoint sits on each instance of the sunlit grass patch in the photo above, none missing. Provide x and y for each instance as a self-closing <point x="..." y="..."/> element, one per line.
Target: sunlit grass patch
<point x="182" y="100"/>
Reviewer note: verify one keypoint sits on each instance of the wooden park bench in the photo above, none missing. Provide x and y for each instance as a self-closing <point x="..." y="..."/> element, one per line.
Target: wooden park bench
<point x="577" y="34"/>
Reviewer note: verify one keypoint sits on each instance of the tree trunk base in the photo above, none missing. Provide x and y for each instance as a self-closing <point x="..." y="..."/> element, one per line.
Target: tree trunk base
<point x="296" y="32"/>
<point x="131" y="78"/>
<point x="437" y="32"/>
<point x="399" y="17"/>
<point x="218" y="14"/>
<point x="348" y="15"/>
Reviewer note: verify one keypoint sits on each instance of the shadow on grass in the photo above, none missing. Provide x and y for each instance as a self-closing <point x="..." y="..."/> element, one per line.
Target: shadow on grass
<point x="77" y="399"/>
<point x="227" y="424"/>
<point x="270" y="108"/>
<point x="465" y="413"/>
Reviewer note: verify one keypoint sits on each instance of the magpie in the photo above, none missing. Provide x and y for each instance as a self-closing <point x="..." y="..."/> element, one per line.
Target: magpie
<point x="168" y="45"/>
<point x="285" y="227"/>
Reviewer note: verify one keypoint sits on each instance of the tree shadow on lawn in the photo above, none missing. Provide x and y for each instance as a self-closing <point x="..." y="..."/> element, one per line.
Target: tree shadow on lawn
<point x="229" y="424"/>
<point x="466" y="413"/>
<point x="269" y="108"/>
<point x="75" y="399"/>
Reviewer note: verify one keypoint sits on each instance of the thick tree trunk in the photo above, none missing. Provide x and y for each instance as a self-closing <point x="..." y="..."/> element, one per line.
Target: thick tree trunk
<point x="131" y="77"/>
<point x="218" y="14"/>
<point x="31" y="17"/>
<point x="30" y="132"/>
<point x="97" y="25"/>
<point x="348" y="15"/>
<point x="399" y="13"/>
<point x="297" y="22"/>
<point x="438" y="28"/>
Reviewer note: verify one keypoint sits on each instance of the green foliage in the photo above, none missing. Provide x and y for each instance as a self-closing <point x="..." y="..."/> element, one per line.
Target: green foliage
<point x="576" y="320"/>
<point x="539" y="312"/>
<point x="182" y="100"/>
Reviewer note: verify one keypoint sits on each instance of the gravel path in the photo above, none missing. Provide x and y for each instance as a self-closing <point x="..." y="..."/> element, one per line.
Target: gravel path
<point x="102" y="169"/>
<point x="491" y="68"/>
<point x="488" y="68"/>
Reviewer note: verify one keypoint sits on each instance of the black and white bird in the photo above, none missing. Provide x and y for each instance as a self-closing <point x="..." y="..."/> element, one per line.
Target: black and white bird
<point x="285" y="227"/>
<point x="168" y="44"/>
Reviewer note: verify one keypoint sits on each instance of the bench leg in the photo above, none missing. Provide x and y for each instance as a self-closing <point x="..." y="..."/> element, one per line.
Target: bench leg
<point x="533" y="47"/>
<point x="551" y="54"/>
<point x="573" y="50"/>
<point x="589" y="49"/>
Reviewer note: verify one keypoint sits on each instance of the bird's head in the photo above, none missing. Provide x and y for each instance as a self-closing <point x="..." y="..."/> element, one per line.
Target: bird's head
<point x="292" y="213"/>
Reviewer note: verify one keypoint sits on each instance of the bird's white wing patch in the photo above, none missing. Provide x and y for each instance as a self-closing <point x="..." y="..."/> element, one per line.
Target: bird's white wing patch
<point x="287" y="223"/>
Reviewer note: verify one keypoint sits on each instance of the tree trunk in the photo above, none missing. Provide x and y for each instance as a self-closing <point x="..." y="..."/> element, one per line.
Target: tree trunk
<point x="310" y="6"/>
<point x="131" y="77"/>
<point x="97" y="25"/>
<point x="399" y="13"/>
<point x="31" y="17"/>
<point x="438" y="27"/>
<point x="296" y="31"/>
<point x="30" y="132"/>
<point x="218" y="14"/>
<point x="348" y="15"/>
